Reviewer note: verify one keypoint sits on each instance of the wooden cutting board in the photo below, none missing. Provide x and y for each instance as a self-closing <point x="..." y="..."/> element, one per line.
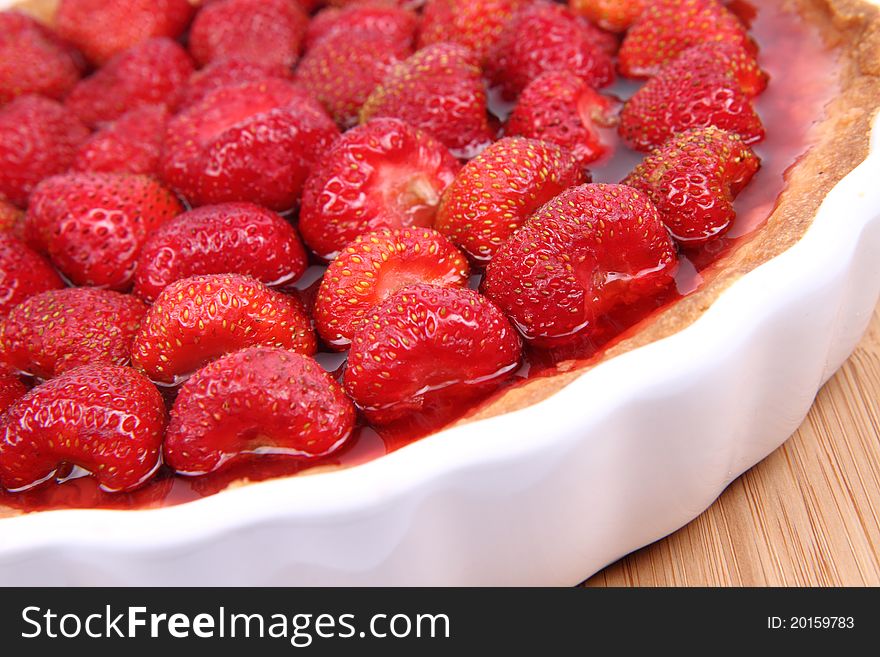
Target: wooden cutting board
<point x="809" y="515"/>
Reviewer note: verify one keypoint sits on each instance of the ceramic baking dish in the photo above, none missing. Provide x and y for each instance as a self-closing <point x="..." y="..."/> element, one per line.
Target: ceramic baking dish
<point x="630" y="451"/>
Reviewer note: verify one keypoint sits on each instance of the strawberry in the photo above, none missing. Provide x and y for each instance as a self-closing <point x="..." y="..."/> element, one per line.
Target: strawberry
<point x="151" y="73"/>
<point x="561" y="108"/>
<point x="474" y="24"/>
<point x="269" y="32"/>
<point x="252" y="142"/>
<point x="93" y="225"/>
<point x="384" y="174"/>
<point x="240" y="238"/>
<point x="104" y="28"/>
<point x="229" y="71"/>
<point x="198" y="319"/>
<point x="666" y="28"/>
<point x="548" y="37"/>
<point x="342" y="71"/>
<point x="683" y="95"/>
<point x="588" y="251"/>
<point x="131" y="144"/>
<point x="261" y="400"/>
<point x="731" y="60"/>
<point x="11" y="219"/>
<point x="611" y="15"/>
<point x="425" y="344"/>
<point x="375" y="17"/>
<point x="375" y="266"/>
<point x="108" y="420"/>
<point x="439" y="90"/>
<point x="38" y="138"/>
<point x="58" y="330"/>
<point x="693" y="179"/>
<point x="23" y="273"/>
<point x="33" y="60"/>
<point x="494" y="194"/>
<point x="11" y="387"/>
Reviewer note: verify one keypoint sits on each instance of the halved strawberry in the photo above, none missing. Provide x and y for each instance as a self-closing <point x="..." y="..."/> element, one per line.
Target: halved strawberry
<point x="476" y="24"/>
<point x="11" y="387"/>
<point x="560" y="107"/>
<point x="198" y="319"/>
<point x="375" y="266"/>
<point x="235" y="238"/>
<point x="611" y="15"/>
<point x="33" y="60"/>
<point x="38" y="138"/>
<point x="228" y="71"/>
<point x="152" y="73"/>
<point x="23" y="273"/>
<point x="258" y="401"/>
<point x="439" y="90"/>
<point x="666" y="28"/>
<point x="425" y="344"/>
<point x="269" y="32"/>
<point x="93" y="225"/>
<point x="342" y="70"/>
<point x="131" y="144"/>
<point x="384" y="174"/>
<point x="55" y="331"/>
<point x="252" y="142"/>
<point x="104" y="28"/>
<point x="493" y="195"/>
<point x="11" y="219"/>
<point x="693" y="179"/>
<point x="108" y="420"/>
<point x="376" y="17"/>
<point x="546" y="37"/>
<point x="699" y="89"/>
<point x="590" y="250"/>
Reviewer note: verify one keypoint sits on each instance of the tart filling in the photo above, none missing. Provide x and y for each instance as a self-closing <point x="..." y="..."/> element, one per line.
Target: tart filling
<point x="713" y="166"/>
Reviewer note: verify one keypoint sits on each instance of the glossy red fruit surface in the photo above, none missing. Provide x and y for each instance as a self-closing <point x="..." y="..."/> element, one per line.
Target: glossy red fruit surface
<point x="262" y="401"/>
<point x="23" y="273"/>
<point x="108" y="420"/>
<point x="376" y="265"/>
<point x="131" y="144"/>
<point x="198" y="319"/>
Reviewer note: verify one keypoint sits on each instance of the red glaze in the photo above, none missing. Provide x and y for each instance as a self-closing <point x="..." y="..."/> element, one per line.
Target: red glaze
<point x="38" y="138"/>
<point x="238" y="238"/>
<point x="376" y="265"/>
<point x="428" y="343"/>
<point x="268" y="32"/>
<point x="131" y="144"/>
<point x="23" y="273"/>
<point x="104" y="28"/>
<point x="493" y="195"/>
<point x="53" y="332"/>
<point x="261" y="400"/>
<point x="439" y="90"/>
<point x="93" y="225"/>
<point x="108" y="420"/>
<point x="33" y="60"/>
<point x="384" y="174"/>
<point x="151" y="73"/>
<point x="253" y="142"/>
<point x="198" y="319"/>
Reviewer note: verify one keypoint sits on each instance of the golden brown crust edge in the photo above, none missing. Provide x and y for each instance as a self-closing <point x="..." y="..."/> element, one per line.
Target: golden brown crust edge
<point x="840" y="142"/>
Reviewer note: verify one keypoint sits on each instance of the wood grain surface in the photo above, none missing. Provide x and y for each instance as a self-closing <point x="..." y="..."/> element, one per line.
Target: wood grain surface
<point x="808" y="515"/>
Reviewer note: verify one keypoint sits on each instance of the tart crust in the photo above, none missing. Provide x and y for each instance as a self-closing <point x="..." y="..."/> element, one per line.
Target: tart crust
<point x="837" y="143"/>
